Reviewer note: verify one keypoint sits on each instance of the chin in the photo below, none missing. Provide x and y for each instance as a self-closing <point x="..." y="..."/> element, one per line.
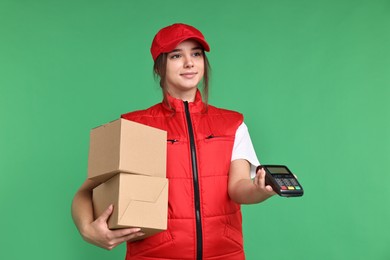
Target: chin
<point x="190" y="85"/>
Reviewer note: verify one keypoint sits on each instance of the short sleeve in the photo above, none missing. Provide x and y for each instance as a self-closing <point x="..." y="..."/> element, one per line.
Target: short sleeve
<point x="243" y="148"/>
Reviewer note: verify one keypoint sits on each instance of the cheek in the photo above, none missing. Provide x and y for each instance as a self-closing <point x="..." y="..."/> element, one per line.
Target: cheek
<point x="201" y="71"/>
<point x="172" y="66"/>
<point x="170" y="73"/>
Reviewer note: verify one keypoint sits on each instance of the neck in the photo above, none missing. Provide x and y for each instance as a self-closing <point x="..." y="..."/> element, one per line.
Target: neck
<point x="183" y="95"/>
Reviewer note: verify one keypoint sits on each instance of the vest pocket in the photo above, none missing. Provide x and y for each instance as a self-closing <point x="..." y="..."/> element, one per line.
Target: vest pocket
<point x="172" y="141"/>
<point x="149" y="244"/>
<point x="234" y="235"/>
<point x="216" y="138"/>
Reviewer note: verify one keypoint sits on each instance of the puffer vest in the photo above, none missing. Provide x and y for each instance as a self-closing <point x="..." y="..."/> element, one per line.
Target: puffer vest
<point x="203" y="222"/>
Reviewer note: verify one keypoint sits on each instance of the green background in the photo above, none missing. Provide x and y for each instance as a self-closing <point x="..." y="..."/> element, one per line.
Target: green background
<point x="311" y="77"/>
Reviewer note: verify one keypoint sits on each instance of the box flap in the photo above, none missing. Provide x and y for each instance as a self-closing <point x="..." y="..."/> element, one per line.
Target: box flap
<point x="146" y="213"/>
<point x="149" y="192"/>
<point x="146" y="202"/>
<point x="150" y="156"/>
<point x="126" y="146"/>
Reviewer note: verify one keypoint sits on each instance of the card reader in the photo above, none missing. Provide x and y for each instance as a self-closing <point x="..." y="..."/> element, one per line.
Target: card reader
<point x="282" y="180"/>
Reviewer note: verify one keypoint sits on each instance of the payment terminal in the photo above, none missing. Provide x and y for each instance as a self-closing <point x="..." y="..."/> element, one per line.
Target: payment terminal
<point x="282" y="180"/>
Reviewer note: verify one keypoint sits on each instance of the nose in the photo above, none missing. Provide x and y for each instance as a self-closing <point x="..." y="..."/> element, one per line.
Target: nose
<point x="188" y="62"/>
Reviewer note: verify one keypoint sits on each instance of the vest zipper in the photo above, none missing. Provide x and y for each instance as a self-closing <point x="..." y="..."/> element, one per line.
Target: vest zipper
<point x="199" y="236"/>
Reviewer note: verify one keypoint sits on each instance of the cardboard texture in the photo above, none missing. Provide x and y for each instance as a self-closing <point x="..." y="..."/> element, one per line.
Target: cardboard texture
<point x="126" y="146"/>
<point x="139" y="201"/>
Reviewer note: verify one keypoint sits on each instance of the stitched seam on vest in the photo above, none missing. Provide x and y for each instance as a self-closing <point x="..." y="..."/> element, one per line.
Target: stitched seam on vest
<point x="222" y="214"/>
<point x="238" y="252"/>
<point x="208" y="216"/>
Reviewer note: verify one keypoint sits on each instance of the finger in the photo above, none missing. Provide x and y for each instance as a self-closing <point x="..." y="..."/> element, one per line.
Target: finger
<point x="270" y="190"/>
<point x="128" y="237"/>
<point x="258" y="179"/>
<point x="261" y="172"/>
<point x="116" y="237"/>
<point x="124" y="232"/>
<point x="106" y="214"/>
<point x="262" y="178"/>
<point x="138" y="234"/>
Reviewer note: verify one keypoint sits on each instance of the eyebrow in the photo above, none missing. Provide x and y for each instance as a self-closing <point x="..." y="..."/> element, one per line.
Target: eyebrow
<point x="195" y="48"/>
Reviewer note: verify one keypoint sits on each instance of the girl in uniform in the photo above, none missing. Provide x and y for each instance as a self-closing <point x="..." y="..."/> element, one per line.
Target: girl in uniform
<point x="210" y="163"/>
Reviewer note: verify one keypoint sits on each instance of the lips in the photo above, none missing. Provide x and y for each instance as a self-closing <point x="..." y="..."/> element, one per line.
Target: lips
<point x="188" y="75"/>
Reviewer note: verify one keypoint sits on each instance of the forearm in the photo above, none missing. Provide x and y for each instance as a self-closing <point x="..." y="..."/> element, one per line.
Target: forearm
<point x="96" y="231"/>
<point x="246" y="192"/>
<point x="242" y="189"/>
<point x="82" y="209"/>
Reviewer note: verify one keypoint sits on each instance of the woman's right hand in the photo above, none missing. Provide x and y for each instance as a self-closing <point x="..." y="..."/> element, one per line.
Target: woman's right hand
<point x="99" y="234"/>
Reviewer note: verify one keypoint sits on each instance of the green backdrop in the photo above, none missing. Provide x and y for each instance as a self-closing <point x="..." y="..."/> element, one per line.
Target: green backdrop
<point x="311" y="77"/>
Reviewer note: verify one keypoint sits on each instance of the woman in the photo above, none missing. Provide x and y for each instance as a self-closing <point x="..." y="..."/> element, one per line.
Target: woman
<point x="209" y="161"/>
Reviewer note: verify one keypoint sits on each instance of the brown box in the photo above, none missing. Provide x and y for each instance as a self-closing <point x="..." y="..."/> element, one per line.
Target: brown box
<point x="126" y="146"/>
<point x="139" y="201"/>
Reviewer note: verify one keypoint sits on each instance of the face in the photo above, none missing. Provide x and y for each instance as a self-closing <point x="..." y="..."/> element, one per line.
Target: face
<point x="185" y="69"/>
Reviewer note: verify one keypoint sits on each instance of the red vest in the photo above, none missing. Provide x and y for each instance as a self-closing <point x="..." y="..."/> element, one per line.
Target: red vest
<point x="203" y="222"/>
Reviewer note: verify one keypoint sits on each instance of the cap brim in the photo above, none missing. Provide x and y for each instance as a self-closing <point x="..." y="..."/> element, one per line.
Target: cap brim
<point x="171" y="46"/>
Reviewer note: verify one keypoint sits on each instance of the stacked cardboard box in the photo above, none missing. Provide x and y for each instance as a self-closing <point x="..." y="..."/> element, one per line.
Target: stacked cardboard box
<point x="130" y="160"/>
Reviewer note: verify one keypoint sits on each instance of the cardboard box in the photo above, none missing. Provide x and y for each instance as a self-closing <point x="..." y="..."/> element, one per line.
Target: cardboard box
<point x="139" y="201"/>
<point x="126" y="146"/>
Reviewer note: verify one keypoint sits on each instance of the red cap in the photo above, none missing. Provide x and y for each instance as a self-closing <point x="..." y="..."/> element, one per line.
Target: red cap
<point x="169" y="37"/>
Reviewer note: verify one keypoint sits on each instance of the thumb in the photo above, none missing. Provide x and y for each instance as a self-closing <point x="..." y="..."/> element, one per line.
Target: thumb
<point x="106" y="214"/>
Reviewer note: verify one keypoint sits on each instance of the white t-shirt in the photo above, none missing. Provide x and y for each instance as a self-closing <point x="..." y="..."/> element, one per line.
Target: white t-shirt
<point x="243" y="148"/>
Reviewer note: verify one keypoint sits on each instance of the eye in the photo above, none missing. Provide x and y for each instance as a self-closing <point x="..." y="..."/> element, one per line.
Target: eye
<point x="175" y="56"/>
<point x="197" y="54"/>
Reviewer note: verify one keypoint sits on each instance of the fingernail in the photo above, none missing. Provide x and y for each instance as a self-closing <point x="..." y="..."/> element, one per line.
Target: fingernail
<point x="140" y="234"/>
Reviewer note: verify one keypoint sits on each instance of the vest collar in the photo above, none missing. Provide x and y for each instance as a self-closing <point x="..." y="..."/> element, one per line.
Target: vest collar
<point x="178" y="104"/>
